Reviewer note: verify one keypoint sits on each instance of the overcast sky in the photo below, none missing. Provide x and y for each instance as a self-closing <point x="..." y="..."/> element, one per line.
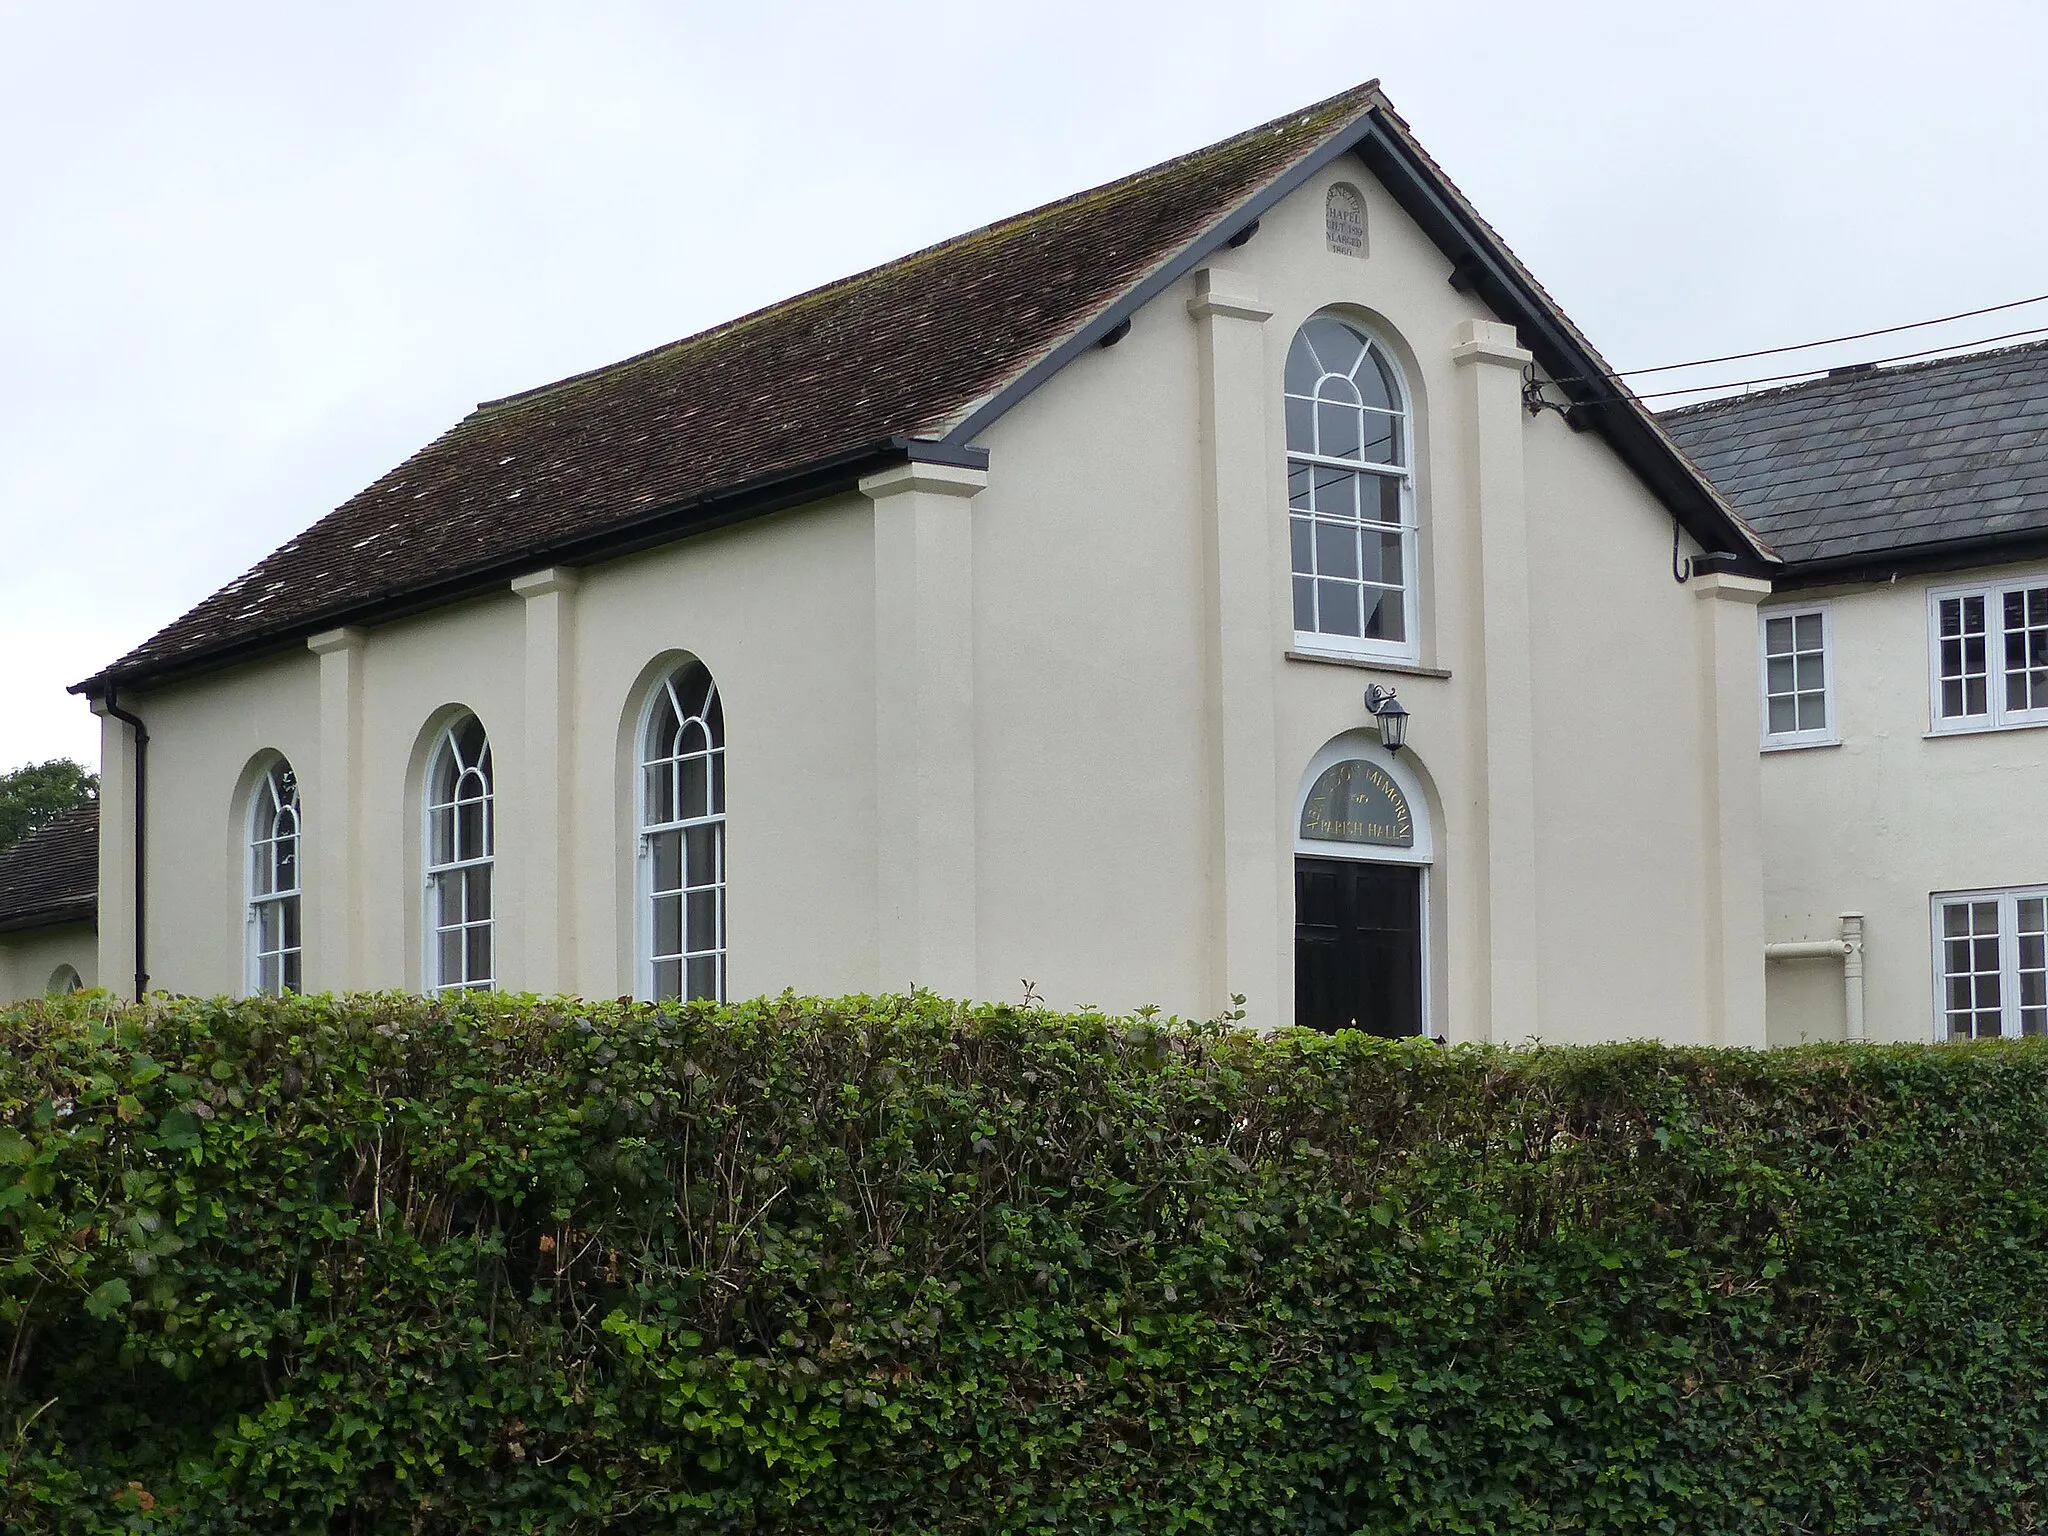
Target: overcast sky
<point x="252" y="255"/>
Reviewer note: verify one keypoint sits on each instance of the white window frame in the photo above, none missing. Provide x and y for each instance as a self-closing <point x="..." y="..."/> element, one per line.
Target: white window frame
<point x="645" y="832"/>
<point x="436" y="871"/>
<point x="1996" y="716"/>
<point x="259" y="834"/>
<point x="2010" y="968"/>
<point x="1346" y="647"/>
<point x="1827" y="735"/>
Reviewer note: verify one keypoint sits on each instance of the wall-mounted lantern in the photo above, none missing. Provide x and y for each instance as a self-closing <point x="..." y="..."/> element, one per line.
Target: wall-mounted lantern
<point x="1391" y="714"/>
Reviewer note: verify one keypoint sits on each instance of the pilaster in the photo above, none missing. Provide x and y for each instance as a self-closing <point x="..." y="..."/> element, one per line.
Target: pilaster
<point x="925" y="854"/>
<point x="332" y="815"/>
<point x="1252" y="876"/>
<point x="116" y="907"/>
<point x="1732" y="811"/>
<point x="547" y="957"/>
<point x="1490" y="362"/>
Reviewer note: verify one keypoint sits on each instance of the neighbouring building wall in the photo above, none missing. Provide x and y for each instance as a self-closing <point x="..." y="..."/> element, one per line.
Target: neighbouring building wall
<point x="34" y="961"/>
<point x="1889" y="818"/>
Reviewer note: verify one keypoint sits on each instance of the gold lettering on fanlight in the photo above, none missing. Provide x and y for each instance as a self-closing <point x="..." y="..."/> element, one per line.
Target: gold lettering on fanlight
<point x="1357" y="802"/>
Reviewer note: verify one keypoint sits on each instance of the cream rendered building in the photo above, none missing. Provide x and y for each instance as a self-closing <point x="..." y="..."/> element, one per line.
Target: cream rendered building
<point x="47" y="907"/>
<point x="1904" y="685"/>
<point x="1000" y="615"/>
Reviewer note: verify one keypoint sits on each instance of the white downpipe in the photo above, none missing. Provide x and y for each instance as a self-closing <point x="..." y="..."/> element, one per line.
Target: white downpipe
<point x="1849" y="950"/>
<point x="1852" y="973"/>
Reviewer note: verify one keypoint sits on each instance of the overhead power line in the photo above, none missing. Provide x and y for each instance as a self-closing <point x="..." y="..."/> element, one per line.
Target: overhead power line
<point x="1782" y="378"/>
<point x="1807" y="346"/>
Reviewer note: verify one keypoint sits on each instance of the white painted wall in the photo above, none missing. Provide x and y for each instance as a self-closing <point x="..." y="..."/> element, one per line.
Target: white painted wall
<point x="1090" y="638"/>
<point x="1137" y="726"/>
<point x="1890" y="817"/>
<point x="780" y="610"/>
<point x="29" y="959"/>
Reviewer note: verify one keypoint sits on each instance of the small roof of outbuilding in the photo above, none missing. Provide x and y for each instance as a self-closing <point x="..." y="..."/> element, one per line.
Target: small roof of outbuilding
<point x="52" y="875"/>
<point x="911" y="360"/>
<point x="1864" y="471"/>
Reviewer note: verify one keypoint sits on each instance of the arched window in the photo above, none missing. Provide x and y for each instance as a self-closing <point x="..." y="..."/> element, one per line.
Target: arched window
<point x="63" y="982"/>
<point x="275" y="930"/>
<point x="682" y="839"/>
<point x="461" y="834"/>
<point x="1350" y="494"/>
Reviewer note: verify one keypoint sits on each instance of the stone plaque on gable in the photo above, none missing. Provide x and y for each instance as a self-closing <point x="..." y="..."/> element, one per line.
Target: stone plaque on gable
<point x="1357" y="802"/>
<point x="1344" y="220"/>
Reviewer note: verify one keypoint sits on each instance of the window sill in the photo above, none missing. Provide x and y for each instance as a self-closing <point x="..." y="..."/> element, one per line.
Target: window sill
<point x="1984" y="730"/>
<point x="1368" y="663"/>
<point x="1800" y="746"/>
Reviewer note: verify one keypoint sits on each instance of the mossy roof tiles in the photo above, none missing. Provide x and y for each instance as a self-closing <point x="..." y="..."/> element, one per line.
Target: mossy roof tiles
<point x="793" y="401"/>
<point x="903" y="351"/>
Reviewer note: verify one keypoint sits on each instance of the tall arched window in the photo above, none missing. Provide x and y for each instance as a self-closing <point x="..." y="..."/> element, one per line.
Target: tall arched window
<point x="461" y="834"/>
<point x="1350" y="494"/>
<point x="682" y="839"/>
<point x="275" y="941"/>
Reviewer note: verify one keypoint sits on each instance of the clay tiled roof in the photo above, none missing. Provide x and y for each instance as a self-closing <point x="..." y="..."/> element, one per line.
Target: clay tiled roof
<point x="911" y="359"/>
<point x="903" y="351"/>
<point x="1886" y="462"/>
<point x="52" y="875"/>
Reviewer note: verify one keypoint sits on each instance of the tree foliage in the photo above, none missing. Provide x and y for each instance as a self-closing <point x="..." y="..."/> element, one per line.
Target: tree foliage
<point x="383" y="1264"/>
<point x="31" y="795"/>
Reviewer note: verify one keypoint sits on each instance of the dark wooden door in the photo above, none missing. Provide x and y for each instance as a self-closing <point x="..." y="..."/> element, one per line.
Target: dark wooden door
<point x="1358" y="946"/>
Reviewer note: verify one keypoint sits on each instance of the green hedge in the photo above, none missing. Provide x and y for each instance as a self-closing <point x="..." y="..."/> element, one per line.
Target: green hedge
<point x="377" y="1264"/>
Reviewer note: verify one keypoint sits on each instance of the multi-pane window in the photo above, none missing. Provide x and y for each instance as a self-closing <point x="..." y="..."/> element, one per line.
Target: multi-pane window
<point x="275" y="943"/>
<point x="1350" y="500"/>
<point x="1798" y="711"/>
<point x="2024" y="615"/>
<point x="1989" y="658"/>
<point x="1991" y="952"/>
<point x="682" y="839"/>
<point x="461" y="835"/>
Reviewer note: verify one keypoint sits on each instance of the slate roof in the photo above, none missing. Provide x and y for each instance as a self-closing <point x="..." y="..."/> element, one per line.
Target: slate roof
<point x="908" y="360"/>
<point x="52" y="875"/>
<point x="1885" y="463"/>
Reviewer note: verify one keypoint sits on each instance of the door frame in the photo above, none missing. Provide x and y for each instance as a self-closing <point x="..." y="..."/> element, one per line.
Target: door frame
<point x="1362" y="746"/>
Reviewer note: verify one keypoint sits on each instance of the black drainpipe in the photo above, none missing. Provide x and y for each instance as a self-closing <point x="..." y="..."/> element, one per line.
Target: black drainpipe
<point x="141" y="845"/>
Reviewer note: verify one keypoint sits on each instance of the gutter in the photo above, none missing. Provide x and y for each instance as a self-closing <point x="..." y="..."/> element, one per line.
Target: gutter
<point x="1880" y="566"/>
<point x="664" y="525"/>
<point x="58" y="914"/>
<point x="141" y="731"/>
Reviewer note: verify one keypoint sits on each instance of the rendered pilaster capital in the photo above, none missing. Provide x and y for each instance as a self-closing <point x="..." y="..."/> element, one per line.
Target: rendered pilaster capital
<point x="555" y="578"/>
<point x="1227" y="295"/>
<point x="1728" y="587"/>
<point x="347" y="638"/>
<point x="1489" y="341"/>
<point x="933" y="479"/>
